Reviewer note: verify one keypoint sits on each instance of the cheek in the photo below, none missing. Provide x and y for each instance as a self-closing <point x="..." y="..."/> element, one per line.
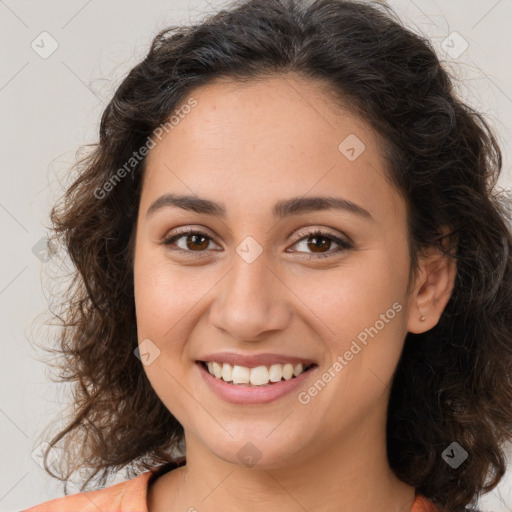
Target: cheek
<point x="362" y="313"/>
<point x="357" y="295"/>
<point x="164" y="294"/>
<point x="168" y="307"/>
<point x="161" y="314"/>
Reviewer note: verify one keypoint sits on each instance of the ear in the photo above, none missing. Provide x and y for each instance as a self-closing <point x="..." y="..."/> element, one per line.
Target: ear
<point x="432" y="290"/>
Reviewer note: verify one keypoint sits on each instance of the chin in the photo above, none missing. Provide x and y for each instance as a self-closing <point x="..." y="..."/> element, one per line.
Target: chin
<point x="252" y="449"/>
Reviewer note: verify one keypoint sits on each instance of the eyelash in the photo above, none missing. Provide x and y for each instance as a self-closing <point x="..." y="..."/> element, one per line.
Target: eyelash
<point x="343" y="244"/>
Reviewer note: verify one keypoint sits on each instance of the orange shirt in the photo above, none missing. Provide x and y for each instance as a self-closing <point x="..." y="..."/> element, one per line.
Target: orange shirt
<point x="130" y="496"/>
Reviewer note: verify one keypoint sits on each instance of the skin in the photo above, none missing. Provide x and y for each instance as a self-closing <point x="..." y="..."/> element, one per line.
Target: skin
<point x="271" y="140"/>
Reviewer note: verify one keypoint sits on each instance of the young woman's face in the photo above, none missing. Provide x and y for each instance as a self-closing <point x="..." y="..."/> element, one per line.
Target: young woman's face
<point x="257" y="282"/>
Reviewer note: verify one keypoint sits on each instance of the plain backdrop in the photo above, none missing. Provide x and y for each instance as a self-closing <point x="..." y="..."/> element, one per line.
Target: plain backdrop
<point x="61" y="62"/>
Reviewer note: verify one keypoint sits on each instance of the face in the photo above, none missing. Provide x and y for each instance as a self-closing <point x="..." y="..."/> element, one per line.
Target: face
<point x="264" y="281"/>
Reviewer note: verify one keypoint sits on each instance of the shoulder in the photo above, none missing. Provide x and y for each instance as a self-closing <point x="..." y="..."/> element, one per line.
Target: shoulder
<point x="125" y="496"/>
<point x="422" y="504"/>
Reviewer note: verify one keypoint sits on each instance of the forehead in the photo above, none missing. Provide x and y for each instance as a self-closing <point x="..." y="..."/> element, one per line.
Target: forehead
<point x="269" y="139"/>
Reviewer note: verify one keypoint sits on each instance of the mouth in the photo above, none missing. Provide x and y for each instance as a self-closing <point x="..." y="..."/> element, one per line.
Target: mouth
<point x="253" y="385"/>
<point x="256" y="376"/>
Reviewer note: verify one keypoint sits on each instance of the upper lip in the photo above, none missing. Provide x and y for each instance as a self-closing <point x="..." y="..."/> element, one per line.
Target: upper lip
<point x="251" y="361"/>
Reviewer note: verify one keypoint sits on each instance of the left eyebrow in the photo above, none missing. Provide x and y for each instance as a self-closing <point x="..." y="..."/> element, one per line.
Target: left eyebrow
<point x="298" y="205"/>
<point x="282" y="209"/>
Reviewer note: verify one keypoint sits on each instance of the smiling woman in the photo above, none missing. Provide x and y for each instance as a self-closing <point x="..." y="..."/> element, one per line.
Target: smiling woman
<point x="301" y="296"/>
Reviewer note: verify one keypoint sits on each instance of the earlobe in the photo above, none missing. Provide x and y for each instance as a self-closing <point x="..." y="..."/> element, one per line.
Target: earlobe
<point x="435" y="284"/>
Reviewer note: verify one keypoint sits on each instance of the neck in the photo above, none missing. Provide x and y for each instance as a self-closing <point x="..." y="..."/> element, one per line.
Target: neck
<point x="351" y="475"/>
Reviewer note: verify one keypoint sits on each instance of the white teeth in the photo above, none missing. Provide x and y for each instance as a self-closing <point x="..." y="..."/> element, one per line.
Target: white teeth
<point x="227" y="372"/>
<point x="241" y="374"/>
<point x="258" y="376"/>
<point x="217" y="370"/>
<point x="287" y="371"/>
<point x="276" y="372"/>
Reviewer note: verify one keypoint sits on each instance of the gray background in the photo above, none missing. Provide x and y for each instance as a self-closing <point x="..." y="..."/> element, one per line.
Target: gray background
<point x="50" y="106"/>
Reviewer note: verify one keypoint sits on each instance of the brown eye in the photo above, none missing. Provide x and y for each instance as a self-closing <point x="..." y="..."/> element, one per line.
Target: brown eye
<point x="319" y="244"/>
<point x="189" y="241"/>
<point x="196" y="242"/>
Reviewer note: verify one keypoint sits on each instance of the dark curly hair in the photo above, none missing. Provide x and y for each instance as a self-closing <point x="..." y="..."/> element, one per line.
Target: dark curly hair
<point x="452" y="383"/>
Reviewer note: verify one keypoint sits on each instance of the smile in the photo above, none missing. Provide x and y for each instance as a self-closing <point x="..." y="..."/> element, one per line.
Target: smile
<point x="257" y="376"/>
<point x="261" y="384"/>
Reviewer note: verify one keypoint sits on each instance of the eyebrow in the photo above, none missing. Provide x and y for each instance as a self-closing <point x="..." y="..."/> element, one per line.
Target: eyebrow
<point x="282" y="209"/>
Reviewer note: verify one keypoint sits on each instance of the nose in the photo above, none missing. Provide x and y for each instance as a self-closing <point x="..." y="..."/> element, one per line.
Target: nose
<point x="251" y="301"/>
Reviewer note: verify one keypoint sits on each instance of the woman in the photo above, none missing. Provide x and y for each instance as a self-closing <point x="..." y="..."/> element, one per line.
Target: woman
<point x="293" y="286"/>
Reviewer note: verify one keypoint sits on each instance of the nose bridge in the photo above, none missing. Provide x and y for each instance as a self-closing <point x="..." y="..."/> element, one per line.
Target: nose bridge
<point x="251" y="299"/>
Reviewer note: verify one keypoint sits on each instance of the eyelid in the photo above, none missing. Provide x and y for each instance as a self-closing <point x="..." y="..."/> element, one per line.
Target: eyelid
<point x="185" y="230"/>
<point x="312" y="230"/>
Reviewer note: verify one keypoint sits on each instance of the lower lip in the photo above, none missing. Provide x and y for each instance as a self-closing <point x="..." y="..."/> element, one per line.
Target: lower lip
<point x="241" y="394"/>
